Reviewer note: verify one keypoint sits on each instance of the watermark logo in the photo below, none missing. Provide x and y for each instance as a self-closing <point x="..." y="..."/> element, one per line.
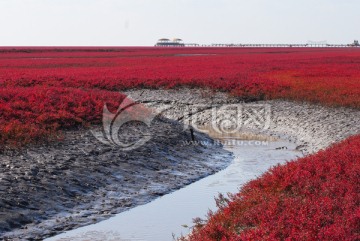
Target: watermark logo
<point x="227" y="142"/>
<point x="229" y="119"/>
<point x="128" y="111"/>
<point x="218" y="120"/>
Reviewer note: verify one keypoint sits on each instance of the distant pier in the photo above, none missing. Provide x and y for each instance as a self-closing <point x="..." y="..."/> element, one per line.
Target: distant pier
<point x="283" y="45"/>
<point x="178" y="43"/>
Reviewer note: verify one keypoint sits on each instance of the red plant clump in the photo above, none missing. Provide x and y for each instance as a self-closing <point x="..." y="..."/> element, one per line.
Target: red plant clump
<point x="327" y="76"/>
<point x="313" y="198"/>
<point x="33" y="115"/>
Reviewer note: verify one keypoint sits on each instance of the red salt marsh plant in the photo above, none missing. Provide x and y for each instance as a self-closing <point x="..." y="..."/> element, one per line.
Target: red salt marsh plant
<point x="94" y="75"/>
<point x="34" y="115"/>
<point x="312" y="198"/>
<point x="46" y="90"/>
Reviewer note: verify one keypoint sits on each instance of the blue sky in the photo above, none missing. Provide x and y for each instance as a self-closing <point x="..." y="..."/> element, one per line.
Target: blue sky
<point x="142" y="22"/>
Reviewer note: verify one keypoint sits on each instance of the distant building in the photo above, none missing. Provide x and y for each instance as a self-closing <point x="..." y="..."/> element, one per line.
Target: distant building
<point x="354" y="44"/>
<point x="164" y="42"/>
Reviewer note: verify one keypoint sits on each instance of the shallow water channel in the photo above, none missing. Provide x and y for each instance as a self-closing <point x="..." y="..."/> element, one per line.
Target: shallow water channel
<point x="172" y="214"/>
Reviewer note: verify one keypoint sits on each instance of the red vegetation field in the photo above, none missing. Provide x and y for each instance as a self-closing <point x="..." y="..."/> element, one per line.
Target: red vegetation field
<point x="35" y="114"/>
<point x="313" y="198"/>
<point x="47" y="89"/>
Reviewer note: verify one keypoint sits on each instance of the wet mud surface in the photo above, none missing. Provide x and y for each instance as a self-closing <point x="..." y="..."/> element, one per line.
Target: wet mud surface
<point x="80" y="181"/>
<point x="52" y="188"/>
<point x="311" y="127"/>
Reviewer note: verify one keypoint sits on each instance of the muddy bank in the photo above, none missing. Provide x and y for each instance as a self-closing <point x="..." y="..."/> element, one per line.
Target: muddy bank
<point x="80" y="181"/>
<point x="311" y="127"/>
<point x="173" y="214"/>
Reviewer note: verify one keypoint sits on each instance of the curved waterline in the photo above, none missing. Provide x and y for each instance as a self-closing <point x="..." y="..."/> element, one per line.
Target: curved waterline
<point x="173" y="213"/>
